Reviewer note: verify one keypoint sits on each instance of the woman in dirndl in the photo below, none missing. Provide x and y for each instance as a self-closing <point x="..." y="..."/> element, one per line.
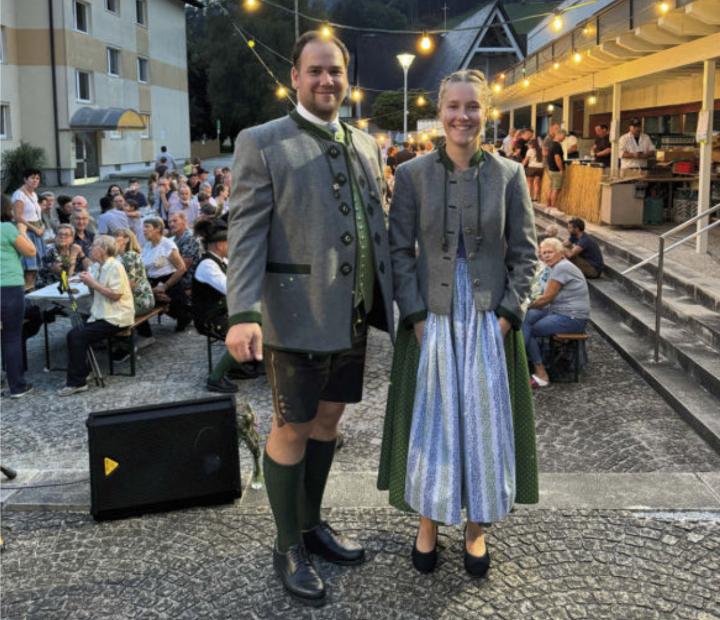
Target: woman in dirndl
<point x="459" y="429"/>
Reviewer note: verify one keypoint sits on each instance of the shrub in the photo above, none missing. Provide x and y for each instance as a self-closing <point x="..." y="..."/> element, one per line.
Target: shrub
<point x="15" y="161"/>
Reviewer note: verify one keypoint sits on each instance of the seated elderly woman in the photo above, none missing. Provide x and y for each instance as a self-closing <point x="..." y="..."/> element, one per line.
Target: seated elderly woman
<point x="112" y="310"/>
<point x="128" y="252"/>
<point x="564" y="305"/>
<point x="65" y="255"/>
<point x="209" y="303"/>
<point x="165" y="268"/>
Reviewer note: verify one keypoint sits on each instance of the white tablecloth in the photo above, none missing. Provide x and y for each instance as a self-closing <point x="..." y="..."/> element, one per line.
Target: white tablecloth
<point x="50" y="296"/>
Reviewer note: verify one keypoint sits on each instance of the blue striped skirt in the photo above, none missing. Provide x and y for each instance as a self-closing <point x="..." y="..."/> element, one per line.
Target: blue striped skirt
<point x="462" y="447"/>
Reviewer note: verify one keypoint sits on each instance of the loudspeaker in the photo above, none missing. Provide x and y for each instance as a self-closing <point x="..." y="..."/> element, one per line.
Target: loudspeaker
<point x="163" y="457"/>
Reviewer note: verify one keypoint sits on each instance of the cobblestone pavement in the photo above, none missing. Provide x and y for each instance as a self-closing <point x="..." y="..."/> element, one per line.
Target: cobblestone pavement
<point x="215" y="563"/>
<point x="611" y="421"/>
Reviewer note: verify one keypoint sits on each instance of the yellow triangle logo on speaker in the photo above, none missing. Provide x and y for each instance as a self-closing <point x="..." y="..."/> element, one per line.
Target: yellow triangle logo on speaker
<point x="110" y="466"/>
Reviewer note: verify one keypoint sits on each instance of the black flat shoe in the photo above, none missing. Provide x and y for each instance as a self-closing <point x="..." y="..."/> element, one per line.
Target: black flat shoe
<point x="332" y="546"/>
<point x="223" y="386"/>
<point x="477" y="566"/>
<point x="298" y="575"/>
<point x="425" y="561"/>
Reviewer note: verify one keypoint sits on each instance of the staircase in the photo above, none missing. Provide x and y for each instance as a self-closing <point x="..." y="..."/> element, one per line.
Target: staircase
<point x="623" y="311"/>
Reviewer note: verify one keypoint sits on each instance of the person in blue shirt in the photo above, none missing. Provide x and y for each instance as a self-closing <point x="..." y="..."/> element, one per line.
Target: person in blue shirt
<point x="582" y="250"/>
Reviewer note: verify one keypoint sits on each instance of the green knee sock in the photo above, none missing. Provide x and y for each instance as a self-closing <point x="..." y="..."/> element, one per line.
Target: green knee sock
<point x="318" y="460"/>
<point x="284" y="486"/>
<point x="227" y="362"/>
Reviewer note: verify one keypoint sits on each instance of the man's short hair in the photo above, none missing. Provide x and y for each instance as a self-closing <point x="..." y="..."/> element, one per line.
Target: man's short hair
<point x="133" y="181"/>
<point x="316" y="35"/>
<point x="578" y="223"/>
<point x="163" y="149"/>
<point x="604" y="127"/>
<point x="635" y="122"/>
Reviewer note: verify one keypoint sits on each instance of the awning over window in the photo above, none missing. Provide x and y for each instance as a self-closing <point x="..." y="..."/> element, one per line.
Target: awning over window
<point x="107" y="119"/>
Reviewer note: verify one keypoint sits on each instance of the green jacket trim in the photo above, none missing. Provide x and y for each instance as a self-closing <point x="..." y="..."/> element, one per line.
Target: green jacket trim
<point x="245" y="317"/>
<point x="445" y="160"/>
<point x="298" y="268"/>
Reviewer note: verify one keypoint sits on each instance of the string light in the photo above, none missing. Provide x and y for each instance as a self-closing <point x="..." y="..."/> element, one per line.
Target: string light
<point x="495" y="114"/>
<point x="425" y="45"/>
<point x="281" y="92"/>
<point x="424" y="137"/>
<point x="381" y="138"/>
<point x="592" y="100"/>
<point x="434" y="131"/>
<point x="251" y="43"/>
<point x="577" y="57"/>
<point x="526" y="83"/>
<point x="663" y="7"/>
<point x="556" y="65"/>
<point x="362" y="123"/>
<point x="557" y="23"/>
<point x="550" y="107"/>
<point x="421" y="101"/>
<point x="411" y="139"/>
<point x="252" y="5"/>
<point x="501" y="76"/>
<point x="356" y="95"/>
<point x="326" y="31"/>
<point x="496" y="87"/>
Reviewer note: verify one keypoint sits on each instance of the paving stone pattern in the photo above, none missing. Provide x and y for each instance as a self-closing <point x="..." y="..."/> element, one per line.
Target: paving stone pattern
<point x="215" y="563"/>
<point x="611" y="421"/>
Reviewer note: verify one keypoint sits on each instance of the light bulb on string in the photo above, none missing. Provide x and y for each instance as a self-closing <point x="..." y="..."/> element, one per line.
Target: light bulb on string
<point x="526" y="83"/>
<point x="495" y="114"/>
<point x="281" y="92"/>
<point x="550" y="107"/>
<point x="577" y="57"/>
<point x="251" y="43"/>
<point x="592" y="100"/>
<point x="501" y="76"/>
<point x="663" y="7"/>
<point x="424" y="137"/>
<point x="251" y="5"/>
<point x="326" y="32"/>
<point x="362" y="123"/>
<point x="557" y="23"/>
<point x="356" y="95"/>
<point x="556" y="65"/>
<point x="421" y="101"/>
<point x="497" y="87"/>
<point x="425" y="44"/>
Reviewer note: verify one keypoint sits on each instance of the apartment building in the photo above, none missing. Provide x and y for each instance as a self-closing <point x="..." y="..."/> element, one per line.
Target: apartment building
<point x="100" y="85"/>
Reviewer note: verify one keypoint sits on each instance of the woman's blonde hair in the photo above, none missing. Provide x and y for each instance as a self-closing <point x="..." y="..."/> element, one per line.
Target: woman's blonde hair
<point x="468" y="76"/>
<point x="552" y="242"/>
<point x="132" y="239"/>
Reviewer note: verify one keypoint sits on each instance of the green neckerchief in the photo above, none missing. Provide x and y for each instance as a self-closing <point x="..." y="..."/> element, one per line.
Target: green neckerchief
<point x="445" y="160"/>
<point x="363" y="287"/>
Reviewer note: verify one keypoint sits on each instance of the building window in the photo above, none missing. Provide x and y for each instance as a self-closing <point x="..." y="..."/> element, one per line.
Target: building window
<point x="2" y="45"/>
<point x="145" y="133"/>
<point x="81" y="16"/>
<point x="142" y="70"/>
<point x="113" y="61"/>
<point x="82" y="86"/>
<point x="141" y="12"/>
<point x="5" y="121"/>
<point x="113" y="6"/>
<point x="114" y="135"/>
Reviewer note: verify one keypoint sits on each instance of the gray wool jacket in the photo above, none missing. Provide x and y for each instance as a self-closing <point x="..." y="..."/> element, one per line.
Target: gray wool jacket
<point x="433" y="206"/>
<point x="292" y="235"/>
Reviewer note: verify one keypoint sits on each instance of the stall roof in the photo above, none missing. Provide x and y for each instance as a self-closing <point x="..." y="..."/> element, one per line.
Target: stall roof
<point x="109" y="119"/>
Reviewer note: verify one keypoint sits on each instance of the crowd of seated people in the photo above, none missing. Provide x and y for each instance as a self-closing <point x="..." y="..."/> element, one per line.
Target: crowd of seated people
<point x="144" y="233"/>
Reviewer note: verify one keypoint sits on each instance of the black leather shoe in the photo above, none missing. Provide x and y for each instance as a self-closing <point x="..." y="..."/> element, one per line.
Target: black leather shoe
<point x="223" y="386"/>
<point x="243" y="371"/>
<point x="298" y="575"/>
<point x="477" y="566"/>
<point x="324" y="541"/>
<point x="425" y="561"/>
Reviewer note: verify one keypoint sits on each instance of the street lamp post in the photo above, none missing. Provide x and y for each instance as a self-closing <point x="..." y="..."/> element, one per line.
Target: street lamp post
<point x="405" y="61"/>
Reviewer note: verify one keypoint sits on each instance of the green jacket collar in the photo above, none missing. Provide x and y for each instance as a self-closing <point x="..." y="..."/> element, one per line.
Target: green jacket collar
<point x="445" y="160"/>
<point x="317" y="130"/>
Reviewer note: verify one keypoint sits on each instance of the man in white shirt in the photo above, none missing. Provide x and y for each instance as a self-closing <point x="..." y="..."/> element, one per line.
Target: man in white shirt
<point x="186" y="204"/>
<point x="635" y="147"/>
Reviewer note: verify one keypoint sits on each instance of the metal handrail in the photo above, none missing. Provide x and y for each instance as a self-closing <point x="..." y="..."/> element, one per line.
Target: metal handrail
<point x="660" y="255"/>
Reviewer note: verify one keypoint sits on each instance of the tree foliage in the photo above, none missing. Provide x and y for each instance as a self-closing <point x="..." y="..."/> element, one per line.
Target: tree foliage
<point x="387" y="109"/>
<point x="17" y="160"/>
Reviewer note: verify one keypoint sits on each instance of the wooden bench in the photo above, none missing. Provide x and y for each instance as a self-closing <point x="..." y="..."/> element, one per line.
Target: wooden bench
<point x="576" y="341"/>
<point x="129" y="334"/>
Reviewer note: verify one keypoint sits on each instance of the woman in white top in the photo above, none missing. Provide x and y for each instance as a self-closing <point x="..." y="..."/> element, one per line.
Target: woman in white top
<point x="165" y="268"/>
<point x="27" y="210"/>
<point x="534" y="167"/>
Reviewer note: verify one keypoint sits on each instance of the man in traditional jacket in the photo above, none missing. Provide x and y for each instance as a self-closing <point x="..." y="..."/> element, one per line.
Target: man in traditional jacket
<point x="309" y="270"/>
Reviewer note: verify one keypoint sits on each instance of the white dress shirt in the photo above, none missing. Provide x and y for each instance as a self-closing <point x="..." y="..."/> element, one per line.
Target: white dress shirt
<point x="630" y="145"/>
<point x="209" y="272"/>
<point x="309" y="116"/>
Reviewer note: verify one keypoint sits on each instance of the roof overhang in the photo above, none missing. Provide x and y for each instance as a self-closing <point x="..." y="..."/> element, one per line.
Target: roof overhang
<point x="106" y="119"/>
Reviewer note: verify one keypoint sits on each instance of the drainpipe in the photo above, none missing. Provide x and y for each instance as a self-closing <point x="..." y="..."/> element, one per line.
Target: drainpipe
<point x="54" y="92"/>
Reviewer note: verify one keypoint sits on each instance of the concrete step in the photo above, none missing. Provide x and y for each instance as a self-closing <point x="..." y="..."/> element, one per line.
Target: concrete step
<point x="676" y="305"/>
<point x="694" y="286"/>
<point x="700" y="361"/>
<point x="684" y="393"/>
